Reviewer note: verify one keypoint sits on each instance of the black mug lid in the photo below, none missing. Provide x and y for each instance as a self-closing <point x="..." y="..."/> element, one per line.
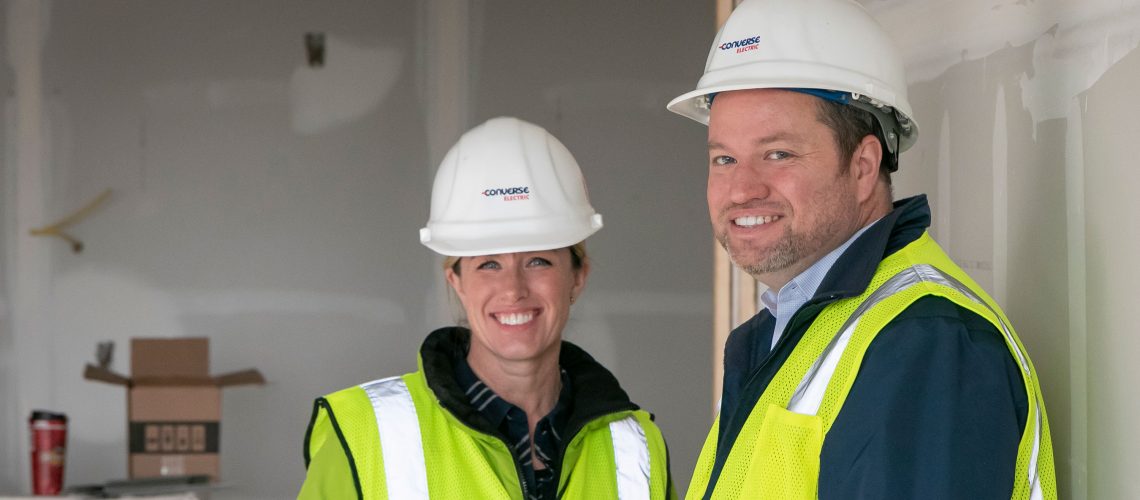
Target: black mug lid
<point x="47" y="415"/>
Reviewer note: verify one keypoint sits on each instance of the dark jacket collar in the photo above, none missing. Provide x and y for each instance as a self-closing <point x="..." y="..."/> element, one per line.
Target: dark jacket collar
<point x="594" y="390"/>
<point x="853" y="271"/>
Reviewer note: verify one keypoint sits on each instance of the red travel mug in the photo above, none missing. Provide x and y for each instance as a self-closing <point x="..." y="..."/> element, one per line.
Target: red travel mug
<point x="49" y="443"/>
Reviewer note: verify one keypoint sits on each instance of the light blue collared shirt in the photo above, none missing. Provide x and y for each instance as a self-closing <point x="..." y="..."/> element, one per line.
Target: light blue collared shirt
<point x="784" y="303"/>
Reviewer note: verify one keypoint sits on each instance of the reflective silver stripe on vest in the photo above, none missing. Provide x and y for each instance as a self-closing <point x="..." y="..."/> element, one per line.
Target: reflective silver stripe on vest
<point x="402" y="445"/>
<point x="631" y="456"/>
<point x="807" y="398"/>
<point x="809" y="393"/>
<point x="400" y="442"/>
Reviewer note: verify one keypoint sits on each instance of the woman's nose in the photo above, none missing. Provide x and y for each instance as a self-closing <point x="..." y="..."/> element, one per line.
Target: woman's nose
<point x="515" y="286"/>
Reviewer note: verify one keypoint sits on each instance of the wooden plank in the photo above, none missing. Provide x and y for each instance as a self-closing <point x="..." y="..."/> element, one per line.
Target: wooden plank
<point x="723" y="9"/>
<point x="722" y="317"/>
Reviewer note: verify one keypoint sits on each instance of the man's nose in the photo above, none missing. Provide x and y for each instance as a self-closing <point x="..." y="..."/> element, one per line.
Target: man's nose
<point x="746" y="183"/>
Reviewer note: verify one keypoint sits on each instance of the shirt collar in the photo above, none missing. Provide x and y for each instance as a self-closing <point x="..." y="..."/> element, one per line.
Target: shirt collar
<point x="481" y="397"/>
<point x="494" y="408"/>
<point x="784" y="303"/>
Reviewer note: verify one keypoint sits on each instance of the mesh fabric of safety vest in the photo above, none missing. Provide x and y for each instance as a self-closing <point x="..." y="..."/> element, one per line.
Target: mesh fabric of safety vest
<point x="776" y="454"/>
<point x="368" y="460"/>
<point x="591" y="453"/>
<point x="463" y="464"/>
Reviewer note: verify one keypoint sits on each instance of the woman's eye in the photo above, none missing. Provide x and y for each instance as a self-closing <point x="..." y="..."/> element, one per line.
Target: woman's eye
<point x="538" y="262"/>
<point x="488" y="265"/>
<point x="722" y="160"/>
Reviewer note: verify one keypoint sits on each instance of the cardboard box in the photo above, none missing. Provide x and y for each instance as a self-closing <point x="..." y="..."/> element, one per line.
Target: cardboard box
<point x="174" y="406"/>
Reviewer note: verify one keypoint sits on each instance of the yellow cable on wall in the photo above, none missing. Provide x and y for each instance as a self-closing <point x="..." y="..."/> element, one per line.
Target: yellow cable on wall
<point x="57" y="229"/>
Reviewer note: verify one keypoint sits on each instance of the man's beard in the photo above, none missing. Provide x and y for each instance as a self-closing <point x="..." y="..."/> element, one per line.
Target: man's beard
<point x="783" y="253"/>
<point x="794" y="246"/>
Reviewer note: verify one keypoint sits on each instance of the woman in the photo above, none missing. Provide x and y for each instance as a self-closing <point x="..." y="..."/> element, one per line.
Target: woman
<point x="502" y="408"/>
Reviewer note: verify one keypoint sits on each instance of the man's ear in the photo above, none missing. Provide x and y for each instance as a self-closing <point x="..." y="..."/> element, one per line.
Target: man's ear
<point x="864" y="165"/>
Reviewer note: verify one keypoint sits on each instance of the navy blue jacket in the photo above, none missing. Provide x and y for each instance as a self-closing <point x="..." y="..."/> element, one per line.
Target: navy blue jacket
<point x="937" y="409"/>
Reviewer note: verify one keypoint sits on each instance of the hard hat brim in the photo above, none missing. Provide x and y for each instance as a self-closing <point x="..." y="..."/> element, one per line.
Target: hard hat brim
<point x="687" y="104"/>
<point x="469" y="240"/>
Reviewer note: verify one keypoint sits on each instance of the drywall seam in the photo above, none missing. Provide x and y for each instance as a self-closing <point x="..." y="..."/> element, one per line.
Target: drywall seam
<point x="447" y="70"/>
<point x="1000" y="192"/>
<point x="447" y="79"/>
<point x="945" y="204"/>
<point x="1078" y="313"/>
<point x="28" y="260"/>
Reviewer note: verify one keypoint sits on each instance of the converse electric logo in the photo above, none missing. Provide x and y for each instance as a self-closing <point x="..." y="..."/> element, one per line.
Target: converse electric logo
<point x="509" y="194"/>
<point x="742" y="45"/>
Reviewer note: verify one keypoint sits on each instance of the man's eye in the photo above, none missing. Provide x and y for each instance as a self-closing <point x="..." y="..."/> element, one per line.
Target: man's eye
<point x="778" y="155"/>
<point x="722" y="160"/>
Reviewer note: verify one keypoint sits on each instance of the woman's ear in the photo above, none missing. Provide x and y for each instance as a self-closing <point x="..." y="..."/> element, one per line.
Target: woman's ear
<point x="580" y="276"/>
<point x="455" y="281"/>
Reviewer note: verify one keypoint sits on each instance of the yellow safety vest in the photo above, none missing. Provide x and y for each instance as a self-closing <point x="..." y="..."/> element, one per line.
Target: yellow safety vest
<point x="777" y="453"/>
<point x="391" y="439"/>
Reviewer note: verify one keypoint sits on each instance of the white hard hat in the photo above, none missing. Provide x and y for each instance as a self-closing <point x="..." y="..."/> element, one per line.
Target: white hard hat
<point x="828" y="45"/>
<point x="508" y="186"/>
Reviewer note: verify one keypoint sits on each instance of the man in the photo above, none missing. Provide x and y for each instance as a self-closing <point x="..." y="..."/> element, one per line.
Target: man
<point x="878" y="369"/>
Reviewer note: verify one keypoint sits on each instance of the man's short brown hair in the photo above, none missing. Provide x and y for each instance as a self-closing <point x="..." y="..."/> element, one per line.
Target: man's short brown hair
<point x="850" y="125"/>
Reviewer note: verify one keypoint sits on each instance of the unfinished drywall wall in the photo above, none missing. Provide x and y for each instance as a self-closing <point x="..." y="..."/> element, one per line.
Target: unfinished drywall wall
<point x="598" y="74"/>
<point x="8" y="429"/>
<point x="267" y="204"/>
<point x="1109" y="129"/>
<point x="1028" y="180"/>
<point x="273" y="206"/>
<point x="27" y="264"/>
